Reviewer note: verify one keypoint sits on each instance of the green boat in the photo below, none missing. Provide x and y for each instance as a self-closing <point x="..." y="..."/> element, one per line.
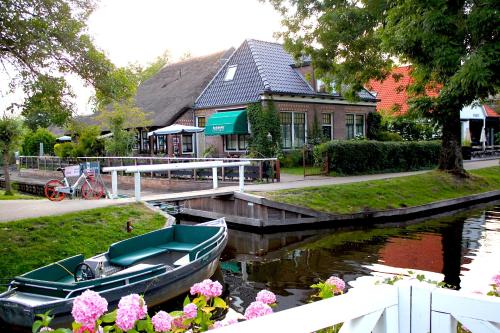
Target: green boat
<point x="159" y="265"/>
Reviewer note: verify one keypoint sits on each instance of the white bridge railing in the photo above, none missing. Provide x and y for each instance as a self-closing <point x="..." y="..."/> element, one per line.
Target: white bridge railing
<point x="408" y="307"/>
<point x="138" y="169"/>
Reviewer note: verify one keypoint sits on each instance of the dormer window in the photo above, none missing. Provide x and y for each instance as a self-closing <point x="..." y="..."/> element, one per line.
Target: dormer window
<point x="321" y="87"/>
<point x="231" y="70"/>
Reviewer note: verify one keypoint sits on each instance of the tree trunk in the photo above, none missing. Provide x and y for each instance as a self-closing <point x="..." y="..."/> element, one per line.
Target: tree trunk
<point x="451" y="159"/>
<point x="6" y="175"/>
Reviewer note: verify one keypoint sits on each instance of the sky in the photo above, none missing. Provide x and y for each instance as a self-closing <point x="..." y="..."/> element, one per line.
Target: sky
<point x="137" y="31"/>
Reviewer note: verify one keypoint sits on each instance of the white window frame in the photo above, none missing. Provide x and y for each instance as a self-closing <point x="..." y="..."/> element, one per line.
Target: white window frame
<point x="192" y="144"/>
<point x="294" y="146"/>
<point x="355" y="131"/>
<point x="237" y="150"/>
<point x="331" y="123"/>
<point x="230" y="73"/>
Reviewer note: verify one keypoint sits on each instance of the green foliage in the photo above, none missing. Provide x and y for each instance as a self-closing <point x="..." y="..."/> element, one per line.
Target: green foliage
<point x="388" y="136"/>
<point x="47" y="103"/>
<point x="152" y="68"/>
<point x="32" y="140"/>
<point x="451" y="45"/>
<point x="210" y="151"/>
<point x="292" y="158"/>
<point x="412" y="128"/>
<point x="65" y="149"/>
<point x="119" y="118"/>
<point x="10" y="137"/>
<point x="264" y="121"/>
<point x="88" y="143"/>
<point x="497" y="138"/>
<point x="355" y="157"/>
<point x="43" y="41"/>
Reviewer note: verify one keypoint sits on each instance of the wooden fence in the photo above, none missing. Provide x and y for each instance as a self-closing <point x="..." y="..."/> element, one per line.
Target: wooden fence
<point x="408" y="307"/>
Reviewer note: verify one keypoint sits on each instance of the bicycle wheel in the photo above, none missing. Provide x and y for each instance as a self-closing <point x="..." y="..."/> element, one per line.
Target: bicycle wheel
<point x="92" y="189"/>
<point x="50" y="190"/>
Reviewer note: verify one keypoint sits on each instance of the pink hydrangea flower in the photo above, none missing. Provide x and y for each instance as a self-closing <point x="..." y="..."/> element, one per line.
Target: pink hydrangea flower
<point x="336" y="282"/>
<point x="130" y="309"/>
<point x="266" y="297"/>
<point x="178" y="322"/>
<point x="162" y="321"/>
<point x="89" y="329"/>
<point x="88" y="307"/>
<point x="190" y="311"/>
<point x="496" y="280"/>
<point x="207" y="288"/>
<point x="257" y="309"/>
<point x="225" y="322"/>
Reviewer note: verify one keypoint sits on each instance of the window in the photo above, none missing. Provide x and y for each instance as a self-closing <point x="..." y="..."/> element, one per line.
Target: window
<point x="320" y="86"/>
<point x="355" y="125"/>
<point x="243" y="141"/>
<point x="161" y="143"/>
<point x="236" y="142"/>
<point x="327" y="125"/>
<point x="286" y="129"/>
<point x="231" y="70"/>
<point x="299" y="129"/>
<point x="293" y="129"/>
<point x="187" y="143"/>
<point x="145" y="141"/>
<point x="201" y="122"/>
<point x="360" y="125"/>
<point x="137" y="141"/>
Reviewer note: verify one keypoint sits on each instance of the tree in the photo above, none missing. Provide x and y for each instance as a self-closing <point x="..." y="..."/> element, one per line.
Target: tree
<point x="453" y="45"/>
<point x="42" y="41"/>
<point x="121" y="119"/>
<point x="32" y="140"/>
<point x="144" y="73"/>
<point x="10" y="136"/>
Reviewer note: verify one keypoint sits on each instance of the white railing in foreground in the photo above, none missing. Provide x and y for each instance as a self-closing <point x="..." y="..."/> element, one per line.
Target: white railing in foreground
<point x="408" y="307"/>
<point x="137" y="169"/>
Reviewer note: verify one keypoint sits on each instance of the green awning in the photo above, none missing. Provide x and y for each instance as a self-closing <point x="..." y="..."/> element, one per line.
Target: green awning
<point x="227" y="122"/>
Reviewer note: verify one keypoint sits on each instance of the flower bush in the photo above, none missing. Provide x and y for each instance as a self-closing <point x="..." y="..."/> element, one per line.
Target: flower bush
<point x="331" y="287"/>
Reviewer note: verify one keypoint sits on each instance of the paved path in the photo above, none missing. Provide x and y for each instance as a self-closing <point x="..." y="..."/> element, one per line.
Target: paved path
<point x="19" y="209"/>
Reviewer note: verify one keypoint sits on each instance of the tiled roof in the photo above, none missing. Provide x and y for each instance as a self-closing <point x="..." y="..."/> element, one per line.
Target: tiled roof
<point x="392" y="93"/>
<point x="490" y="112"/>
<point x="261" y="67"/>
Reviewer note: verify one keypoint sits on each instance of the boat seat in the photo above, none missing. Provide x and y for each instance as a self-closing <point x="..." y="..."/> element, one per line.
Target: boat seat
<point x="178" y="246"/>
<point x="67" y="279"/>
<point x="132" y="257"/>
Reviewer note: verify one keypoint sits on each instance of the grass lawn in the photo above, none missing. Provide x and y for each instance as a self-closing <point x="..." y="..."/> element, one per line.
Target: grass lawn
<point x="389" y="193"/>
<point x="31" y="243"/>
<point x="16" y="196"/>
<point x="300" y="170"/>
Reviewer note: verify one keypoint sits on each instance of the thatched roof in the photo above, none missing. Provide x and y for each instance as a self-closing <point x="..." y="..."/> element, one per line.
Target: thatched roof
<point x="175" y="88"/>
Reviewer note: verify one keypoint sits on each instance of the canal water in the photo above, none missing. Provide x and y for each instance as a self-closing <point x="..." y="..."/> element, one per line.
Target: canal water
<point x="464" y="247"/>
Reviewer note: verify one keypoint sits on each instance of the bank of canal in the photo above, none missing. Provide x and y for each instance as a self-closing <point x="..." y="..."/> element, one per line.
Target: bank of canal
<point x="461" y="246"/>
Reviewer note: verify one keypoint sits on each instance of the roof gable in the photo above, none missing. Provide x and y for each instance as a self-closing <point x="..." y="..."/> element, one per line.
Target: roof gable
<point x="245" y="87"/>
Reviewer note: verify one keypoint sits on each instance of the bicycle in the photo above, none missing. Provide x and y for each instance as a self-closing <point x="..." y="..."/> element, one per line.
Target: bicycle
<point x="56" y="190"/>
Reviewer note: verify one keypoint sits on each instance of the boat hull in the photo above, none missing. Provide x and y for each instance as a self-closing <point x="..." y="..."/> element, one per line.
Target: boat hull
<point x="20" y="309"/>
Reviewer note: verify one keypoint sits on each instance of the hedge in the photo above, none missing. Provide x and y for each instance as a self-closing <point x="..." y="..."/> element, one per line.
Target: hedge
<point x="355" y="157"/>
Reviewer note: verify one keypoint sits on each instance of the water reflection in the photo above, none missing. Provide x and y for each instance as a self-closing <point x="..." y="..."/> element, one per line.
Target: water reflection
<point x="462" y="247"/>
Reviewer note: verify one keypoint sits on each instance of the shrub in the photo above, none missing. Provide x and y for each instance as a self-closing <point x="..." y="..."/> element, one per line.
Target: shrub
<point x="291" y="159"/>
<point x="31" y="143"/>
<point x="66" y="149"/>
<point x="389" y="136"/>
<point x="355" y="157"/>
<point x="373" y="125"/>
